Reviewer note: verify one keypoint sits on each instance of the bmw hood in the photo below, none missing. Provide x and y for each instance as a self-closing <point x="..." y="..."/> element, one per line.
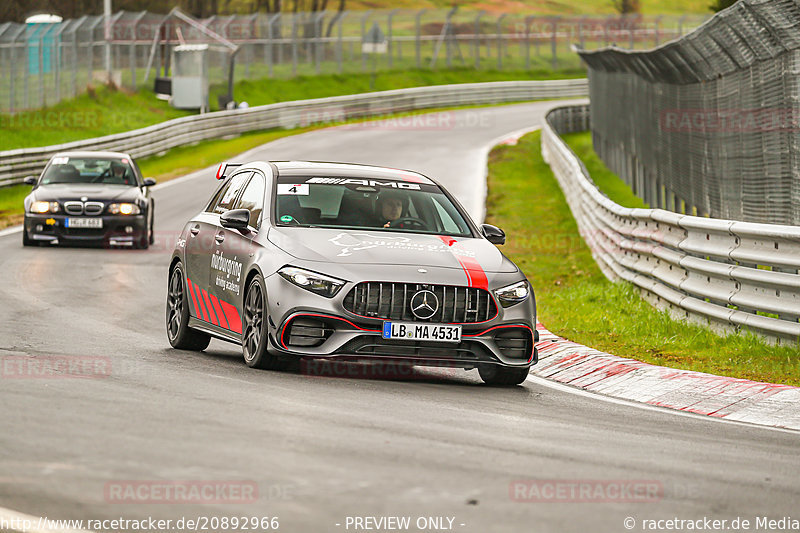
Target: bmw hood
<point x="62" y="192"/>
<point x="370" y="247"/>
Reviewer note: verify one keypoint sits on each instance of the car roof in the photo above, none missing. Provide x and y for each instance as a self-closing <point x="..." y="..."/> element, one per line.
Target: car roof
<point x="323" y="168"/>
<point x="90" y="153"/>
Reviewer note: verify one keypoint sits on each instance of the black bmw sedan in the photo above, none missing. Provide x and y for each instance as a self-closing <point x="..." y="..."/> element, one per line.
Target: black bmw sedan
<point x="89" y="198"/>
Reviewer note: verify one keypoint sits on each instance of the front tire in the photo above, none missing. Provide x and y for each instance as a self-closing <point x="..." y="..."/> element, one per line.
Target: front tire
<point x="502" y="376"/>
<point x="152" y="236"/>
<point x="180" y="335"/>
<point x="26" y="241"/>
<point x="255" y="337"/>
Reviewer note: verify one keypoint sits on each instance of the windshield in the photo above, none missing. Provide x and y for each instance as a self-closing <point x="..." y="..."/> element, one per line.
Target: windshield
<point x="356" y="203"/>
<point x="109" y="171"/>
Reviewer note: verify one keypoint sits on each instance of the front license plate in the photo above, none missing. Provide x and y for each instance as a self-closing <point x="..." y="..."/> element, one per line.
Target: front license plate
<point x="414" y="331"/>
<point x="93" y="223"/>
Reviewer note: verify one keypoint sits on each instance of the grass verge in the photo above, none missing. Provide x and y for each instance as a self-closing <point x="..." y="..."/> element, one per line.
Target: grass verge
<point x="608" y="182"/>
<point x="576" y="301"/>
<point x="105" y="110"/>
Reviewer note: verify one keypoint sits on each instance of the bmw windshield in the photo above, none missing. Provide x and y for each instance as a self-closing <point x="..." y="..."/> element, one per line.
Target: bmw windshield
<point x="106" y="171"/>
<point x="357" y="203"/>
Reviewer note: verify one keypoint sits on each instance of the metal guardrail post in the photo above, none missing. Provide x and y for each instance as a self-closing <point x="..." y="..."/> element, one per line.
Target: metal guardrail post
<point x="364" y="19"/>
<point x="418" y="40"/>
<point x="500" y="52"/>
<point x="476" y="46"/>
<point x="389" y="40"/>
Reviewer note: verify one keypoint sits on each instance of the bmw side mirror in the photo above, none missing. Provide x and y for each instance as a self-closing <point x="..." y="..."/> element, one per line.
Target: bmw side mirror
<point x="493" y="234"/>
<point x="29" y="180"/>
<point x="149" y="182"/>
<point x="235" y="219"/>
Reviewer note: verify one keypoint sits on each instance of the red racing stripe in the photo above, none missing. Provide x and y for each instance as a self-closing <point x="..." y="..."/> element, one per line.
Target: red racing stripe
<point x="476" y="277"/>
<point x="194" y="300"/>
<point x="202" y="306"/>
<point x="232" y="316"/>
<point x="210" y="309"/>
<point x="218" y="311"/>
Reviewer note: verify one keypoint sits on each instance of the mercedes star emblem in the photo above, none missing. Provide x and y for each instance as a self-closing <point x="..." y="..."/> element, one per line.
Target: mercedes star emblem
<point x="424" y="304"/>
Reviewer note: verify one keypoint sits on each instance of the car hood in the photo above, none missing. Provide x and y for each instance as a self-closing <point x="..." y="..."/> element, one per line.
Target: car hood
<point x="369" y="247"/>
<point x="62" y="192"/>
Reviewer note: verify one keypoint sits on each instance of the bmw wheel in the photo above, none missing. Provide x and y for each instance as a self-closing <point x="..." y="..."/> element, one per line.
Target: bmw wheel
<point x="501" y="375"/>
<point x="152" y="234"/>
<point x="178" y="332"/>
<point x="255" y="336"/>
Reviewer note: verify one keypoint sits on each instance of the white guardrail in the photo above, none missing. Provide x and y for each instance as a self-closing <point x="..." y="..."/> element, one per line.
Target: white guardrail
<point x="16" y="164"/>
<point x="721" y="273"/>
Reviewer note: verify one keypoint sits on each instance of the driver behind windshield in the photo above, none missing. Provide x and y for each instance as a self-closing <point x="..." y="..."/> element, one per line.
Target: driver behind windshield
<point x="391" y="208"/>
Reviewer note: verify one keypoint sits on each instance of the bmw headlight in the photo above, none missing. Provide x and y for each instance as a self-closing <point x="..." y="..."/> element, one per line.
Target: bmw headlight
<point x="44" y="207"/>
<point x="312" y="281"/>
<point x="513" y="294"/>
<point x="124" y="209"/>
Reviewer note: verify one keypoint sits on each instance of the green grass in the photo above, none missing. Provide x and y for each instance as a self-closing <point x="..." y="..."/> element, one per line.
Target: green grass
<point x="98" y="112"/>
<point x="103" y="110"/>
<point x="267" y="91"/>
<point x="576" y="301"/>
<point x="608" y="182"/>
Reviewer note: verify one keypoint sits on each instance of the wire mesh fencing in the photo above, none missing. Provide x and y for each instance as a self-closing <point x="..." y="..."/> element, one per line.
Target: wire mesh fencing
<point x="41" y="64"/>
<point x="708" y="124"/>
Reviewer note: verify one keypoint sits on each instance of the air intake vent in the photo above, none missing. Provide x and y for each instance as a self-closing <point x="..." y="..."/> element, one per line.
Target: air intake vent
<point x="514" y="343"/>
<point x="308" y="332"/>
<point x="392" y="301"/>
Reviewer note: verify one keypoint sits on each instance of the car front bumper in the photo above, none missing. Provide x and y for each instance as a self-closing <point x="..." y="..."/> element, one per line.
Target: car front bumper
<point x="117" y="230"/>
<point x="318" y="327"/>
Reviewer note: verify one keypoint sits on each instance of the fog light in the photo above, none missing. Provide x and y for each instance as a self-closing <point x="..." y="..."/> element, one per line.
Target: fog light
<point x="128" y="229"/>
<point x="39" y="227"/>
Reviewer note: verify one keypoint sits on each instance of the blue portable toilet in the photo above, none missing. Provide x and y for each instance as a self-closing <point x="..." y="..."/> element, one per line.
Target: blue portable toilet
<point x="41" y="29"/>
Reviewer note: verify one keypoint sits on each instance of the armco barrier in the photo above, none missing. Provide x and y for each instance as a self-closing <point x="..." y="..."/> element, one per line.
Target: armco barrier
<point x="16" y="164"/>
<point x="725" y="274"/>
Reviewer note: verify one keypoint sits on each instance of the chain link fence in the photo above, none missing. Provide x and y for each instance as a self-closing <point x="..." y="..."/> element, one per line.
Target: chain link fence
<point x="708" y="124"/>
<point x="41" y="64"/>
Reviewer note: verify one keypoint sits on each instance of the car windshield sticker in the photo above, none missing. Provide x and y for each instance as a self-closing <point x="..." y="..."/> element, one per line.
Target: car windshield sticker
<point x="286" y="218"/>
<point x="355" y="242"/>
<point x="300" y="189"/>
<point x="60" y="160"/>
<point x="368" y="183"/>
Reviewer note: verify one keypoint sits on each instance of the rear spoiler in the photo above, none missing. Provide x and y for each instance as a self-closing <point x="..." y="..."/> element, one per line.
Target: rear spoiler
<point x="225" y="168"/>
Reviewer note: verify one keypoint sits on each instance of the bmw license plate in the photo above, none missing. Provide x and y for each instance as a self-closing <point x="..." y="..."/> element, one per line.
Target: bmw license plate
<point x="90" y="223"/>
<point x="414" y="331"/>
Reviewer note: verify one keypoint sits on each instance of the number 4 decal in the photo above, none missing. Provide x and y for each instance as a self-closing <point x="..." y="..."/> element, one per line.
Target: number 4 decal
<point x="299" y="189"/>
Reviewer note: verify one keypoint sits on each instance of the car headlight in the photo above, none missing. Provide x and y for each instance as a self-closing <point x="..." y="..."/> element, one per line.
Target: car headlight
<point x="312" y="281"/>
<point x="44" y="207"/>
<point x="124" y="209"/>
<point x="513" y="294"/>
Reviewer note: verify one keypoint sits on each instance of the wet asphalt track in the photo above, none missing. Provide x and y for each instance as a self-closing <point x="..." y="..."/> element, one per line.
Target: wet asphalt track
<point x="321" y="449"/>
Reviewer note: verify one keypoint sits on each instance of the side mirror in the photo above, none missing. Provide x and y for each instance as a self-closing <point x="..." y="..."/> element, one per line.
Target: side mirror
<point x="149" y="182"/>
<point x="235" y="219"/>
<point x="493" y="234"/>
<point x="29" y="180"/>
